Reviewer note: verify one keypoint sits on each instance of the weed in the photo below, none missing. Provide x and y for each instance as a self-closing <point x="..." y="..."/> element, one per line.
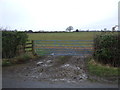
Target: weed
<point x="18" y="59"/>
<point x="6" y="62"/>
<point x="95" y="68"/>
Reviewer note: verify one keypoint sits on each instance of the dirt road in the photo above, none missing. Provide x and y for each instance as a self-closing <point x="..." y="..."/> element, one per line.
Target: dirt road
<point x="51" y="72"/>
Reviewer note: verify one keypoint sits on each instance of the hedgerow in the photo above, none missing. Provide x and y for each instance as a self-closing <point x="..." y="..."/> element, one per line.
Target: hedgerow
<point x="107" y="49"/>
<point x="10" y="42"/>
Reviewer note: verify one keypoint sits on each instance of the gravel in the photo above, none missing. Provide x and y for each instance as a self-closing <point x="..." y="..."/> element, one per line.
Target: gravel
<point x="55" y="69"/>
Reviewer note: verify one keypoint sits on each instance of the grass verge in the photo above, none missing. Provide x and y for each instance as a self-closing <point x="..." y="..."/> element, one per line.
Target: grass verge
<point x="18" y="59"/>
<point x="98" y="69"/>
<point x="107" y="72"/>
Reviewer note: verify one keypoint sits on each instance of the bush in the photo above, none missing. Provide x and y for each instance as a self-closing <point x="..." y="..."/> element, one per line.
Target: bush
<point x="18" y="59"/>
<point x="6" y="63"/>
<point x="106" y="49"/>
<point x="22" y="58"/>
<point x="10" y="41"/>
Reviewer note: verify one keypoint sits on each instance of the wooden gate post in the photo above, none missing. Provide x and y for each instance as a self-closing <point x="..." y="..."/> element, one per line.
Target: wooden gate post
<point x="33" y="51"/>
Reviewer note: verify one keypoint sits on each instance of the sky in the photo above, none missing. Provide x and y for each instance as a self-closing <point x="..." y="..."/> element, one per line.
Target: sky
<point x="57" y="15"/>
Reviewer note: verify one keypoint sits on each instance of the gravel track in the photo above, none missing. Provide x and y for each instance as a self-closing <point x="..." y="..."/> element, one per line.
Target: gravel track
<point x="51" y="72"/>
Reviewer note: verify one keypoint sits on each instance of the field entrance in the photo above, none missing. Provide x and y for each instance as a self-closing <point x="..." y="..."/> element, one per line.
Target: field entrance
<point x="63" y="47"/>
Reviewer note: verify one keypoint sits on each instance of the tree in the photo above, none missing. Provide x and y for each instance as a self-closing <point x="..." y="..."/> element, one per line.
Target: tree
<point x="105" y="29"/>
<point x="69" y="28"/>
<point x="77" y="30"/>
<point x="30" y="31"/>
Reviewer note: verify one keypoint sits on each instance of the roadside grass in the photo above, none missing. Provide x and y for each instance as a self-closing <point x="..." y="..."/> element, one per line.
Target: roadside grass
<point x="97" y="69"/>
<point x="23" y="58"/>
<point x="6" y="62"/>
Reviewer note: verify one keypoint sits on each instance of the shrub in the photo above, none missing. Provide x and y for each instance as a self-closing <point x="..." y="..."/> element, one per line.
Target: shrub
<point x="22" y="58"/>
<point x="6" y="63"/>
<point x="10" y="42"/>
<point x="106" y="49"/>
<point x="18" y="59"/>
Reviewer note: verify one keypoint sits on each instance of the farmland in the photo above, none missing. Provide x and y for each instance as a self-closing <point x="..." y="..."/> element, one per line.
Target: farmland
<point x="63" y="36"/>
<point x="55" y="41"/>
<point x="71" y="68"/>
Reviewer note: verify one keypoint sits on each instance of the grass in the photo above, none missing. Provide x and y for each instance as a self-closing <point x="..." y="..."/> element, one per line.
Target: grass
<point x="97" y="69"/>
<point x="6" y="62"/>
<point x="42" y="52"/>
<point x="18" y="59"/>
<point x="63" y="36"/>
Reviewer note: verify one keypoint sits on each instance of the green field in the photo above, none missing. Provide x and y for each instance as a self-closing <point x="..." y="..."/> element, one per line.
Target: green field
<point x="63" y="36"/>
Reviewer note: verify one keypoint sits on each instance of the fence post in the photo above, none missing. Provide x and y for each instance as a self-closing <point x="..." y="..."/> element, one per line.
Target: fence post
<point x="33" y="51"/>
<point x="24" y="48"/>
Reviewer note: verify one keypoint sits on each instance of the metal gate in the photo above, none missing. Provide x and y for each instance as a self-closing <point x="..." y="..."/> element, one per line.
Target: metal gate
<point x="63" y="47"/>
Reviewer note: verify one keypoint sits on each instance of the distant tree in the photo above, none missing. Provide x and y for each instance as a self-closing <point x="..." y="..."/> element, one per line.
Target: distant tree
<point x="105" y="29"/>
<point x="69" y="28"/>
<point x="30" y="31"/>
<point x="77" y="30"/>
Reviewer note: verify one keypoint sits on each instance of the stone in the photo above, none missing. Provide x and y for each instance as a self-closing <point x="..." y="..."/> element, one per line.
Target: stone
<point x="39" y="63"/>
<point x="49" y="61"/>
<point x="80" y="78"/>
<point x="52" y="54"/>
<point x="74" y="77"/>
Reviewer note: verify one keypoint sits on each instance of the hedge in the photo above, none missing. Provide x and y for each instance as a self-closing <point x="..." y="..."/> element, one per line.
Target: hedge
<point x="107" y="49"/>
<point x="10" y="42"/>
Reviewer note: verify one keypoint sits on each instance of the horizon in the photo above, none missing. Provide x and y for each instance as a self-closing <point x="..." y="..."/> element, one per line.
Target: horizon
<point x="82" y="30"/>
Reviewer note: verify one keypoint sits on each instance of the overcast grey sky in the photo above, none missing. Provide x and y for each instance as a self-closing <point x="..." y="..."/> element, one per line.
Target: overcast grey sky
<point x="58" y="14"/>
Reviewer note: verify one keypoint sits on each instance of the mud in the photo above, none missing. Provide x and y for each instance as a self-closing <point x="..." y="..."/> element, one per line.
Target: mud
<point x="53" y="68"/>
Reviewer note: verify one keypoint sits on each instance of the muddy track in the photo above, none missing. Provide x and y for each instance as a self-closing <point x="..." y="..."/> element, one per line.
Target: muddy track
<point x="65" y="68"/>
<point x="70" y="69"/>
